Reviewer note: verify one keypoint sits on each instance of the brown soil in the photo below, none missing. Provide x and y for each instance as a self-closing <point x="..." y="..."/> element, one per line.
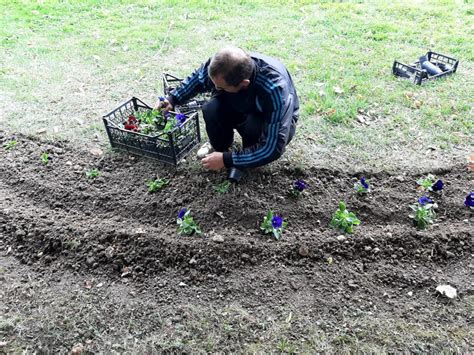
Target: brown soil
<point x="57" y="222"/>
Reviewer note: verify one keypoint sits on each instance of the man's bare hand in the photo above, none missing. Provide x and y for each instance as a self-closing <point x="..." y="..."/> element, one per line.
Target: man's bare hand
<point x="164" y="105"/>
<point x="213" y="161"/>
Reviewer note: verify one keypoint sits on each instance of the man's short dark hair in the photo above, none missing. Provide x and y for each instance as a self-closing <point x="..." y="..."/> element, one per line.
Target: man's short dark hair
<point x="232" y="64"/>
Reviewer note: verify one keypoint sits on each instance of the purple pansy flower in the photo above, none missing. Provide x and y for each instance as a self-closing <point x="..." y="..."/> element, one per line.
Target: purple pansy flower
<point x="182" y="213"/>
<point x="470" y="200"/>
<point x="161" y="98"/>
<point x="364" y="183"/>
<point x="181" y="118"/>
<point x="277" y="221"/>
<point x="424" y="200"/>
<point x="438" y="185"/>
<point x="300" y="185"/>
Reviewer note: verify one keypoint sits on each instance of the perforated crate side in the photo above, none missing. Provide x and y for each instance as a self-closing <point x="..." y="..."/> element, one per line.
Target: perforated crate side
<point x="167" y="147"/>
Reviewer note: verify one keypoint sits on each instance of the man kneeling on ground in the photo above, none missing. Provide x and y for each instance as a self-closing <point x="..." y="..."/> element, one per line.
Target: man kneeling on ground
<point x="251" y="93"/>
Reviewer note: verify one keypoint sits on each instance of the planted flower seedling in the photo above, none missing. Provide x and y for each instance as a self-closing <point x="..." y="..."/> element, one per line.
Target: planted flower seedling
<point x="273" y="224"/>
<point x="469" y="202"/>
<point x="156" y="185"/>
<point x="428" y="183"/>
<point x="437" y="186"/>
<point x="344" y="220"/>
<point x="362" y="186"/>
<point x="424" y="213"/>
<point x="298" y="188"/>
<point x="45" y="158"/>
<point x="186" y="223"/>
<point x="10" y="144"/>
<point x="92" y="174"/>
<point x="223" y="187"/>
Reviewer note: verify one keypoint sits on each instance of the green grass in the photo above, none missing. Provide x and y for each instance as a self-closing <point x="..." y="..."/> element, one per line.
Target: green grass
<point x="67" y="63"/>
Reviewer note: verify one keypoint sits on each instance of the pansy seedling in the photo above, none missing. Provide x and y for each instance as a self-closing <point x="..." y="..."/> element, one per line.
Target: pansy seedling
<point x="186" y="224"/>
<point x="344" y="220"/>
<point x="424" y="213"/>
<point x="223" y="187"/>
<point x="298" y="188"/>
<point x="437" y="186"/>
<point x="273" y="224"/>
<point x="362" y="186"/>
<point x="425" y="200"/>
<point x="92" y="174"/>
<point x="469" y="202"/>
<point x="10" y="144"/>
<point x="156" y="185"/>
<point x="45" y="158"/>
<point x="426" y="182"/>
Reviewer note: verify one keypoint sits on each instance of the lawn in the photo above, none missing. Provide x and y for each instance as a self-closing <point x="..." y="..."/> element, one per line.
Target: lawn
<point x="68" y="63"/>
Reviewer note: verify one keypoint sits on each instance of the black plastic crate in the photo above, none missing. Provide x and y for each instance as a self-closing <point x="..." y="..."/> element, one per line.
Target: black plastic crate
<point x="168" y="147"/>
<point x="171" y="82"/>
<point x="415" y="73"/>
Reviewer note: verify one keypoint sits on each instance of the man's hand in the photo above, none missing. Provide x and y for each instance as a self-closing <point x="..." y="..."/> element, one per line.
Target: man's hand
<point x="164" y="105"/>
<point x="213" y="161"/>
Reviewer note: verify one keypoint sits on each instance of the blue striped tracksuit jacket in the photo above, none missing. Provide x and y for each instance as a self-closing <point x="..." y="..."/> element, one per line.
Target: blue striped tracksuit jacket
<point x="271" y="95"/>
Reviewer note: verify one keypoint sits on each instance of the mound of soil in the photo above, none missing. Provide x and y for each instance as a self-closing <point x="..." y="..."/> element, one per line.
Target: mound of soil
<point x="55" y="219"/>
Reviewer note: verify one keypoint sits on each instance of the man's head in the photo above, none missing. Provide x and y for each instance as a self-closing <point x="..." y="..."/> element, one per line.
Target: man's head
<point x="230" y="69"/>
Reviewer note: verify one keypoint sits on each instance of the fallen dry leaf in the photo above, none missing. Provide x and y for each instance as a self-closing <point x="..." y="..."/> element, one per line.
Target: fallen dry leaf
<point x="331" y="112"/>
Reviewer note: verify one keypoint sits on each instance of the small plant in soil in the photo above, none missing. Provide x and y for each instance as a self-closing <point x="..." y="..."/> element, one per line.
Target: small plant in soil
<point x="156" y="185"/>
<point x="298" y="188"/>
<point x="344" y="220"/>
<point x="92" y="174"/>
<point x="273" y="224"/>
<point x="45" y="158"/>
<point x="362" y="186"/>
<point x="469" y="202"/>
<point x="10" y="144"/>
<point x="437" y="186"/>
<point x="223" y="187"/>
<point x="186" y="224"/>
<point x="424" y="213"/>
<point x="428" y="183"/>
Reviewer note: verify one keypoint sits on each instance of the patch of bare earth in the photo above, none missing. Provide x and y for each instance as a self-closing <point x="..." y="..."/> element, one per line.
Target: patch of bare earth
<point x="97" y="263"/>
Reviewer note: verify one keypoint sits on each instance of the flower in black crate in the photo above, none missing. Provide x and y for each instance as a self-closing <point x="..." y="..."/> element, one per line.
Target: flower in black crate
<point x="180" y="118"/>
